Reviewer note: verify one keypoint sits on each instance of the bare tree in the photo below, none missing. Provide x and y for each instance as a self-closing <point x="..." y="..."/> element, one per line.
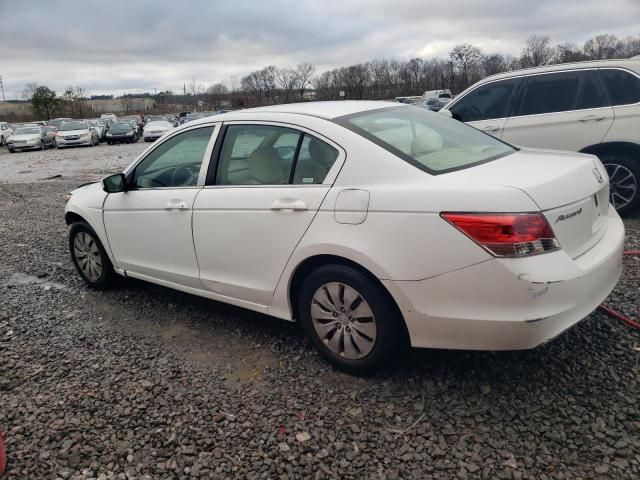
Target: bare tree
<point x="216" y="93"/>
<point x="494" y="63"/>
<point x="537" y="51"/>
<point x="465" y="57"/>
<point x="601" y="46"/>
<point x="29" y="90"/>
<point x="303" y="72"/>
<point x="568" y="52"/>
<point x="286" y="79"/>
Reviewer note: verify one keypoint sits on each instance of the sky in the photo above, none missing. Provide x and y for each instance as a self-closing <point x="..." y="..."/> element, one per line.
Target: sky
<point x="135" y="46"/>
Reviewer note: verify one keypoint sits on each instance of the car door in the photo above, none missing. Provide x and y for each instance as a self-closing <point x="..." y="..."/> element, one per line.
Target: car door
<point x="624" y="91"/>
<point x="267" y="186"/>
<point x="560" y="110"/>
<point x="149" y="225"/>
<point x="487" y="106"/>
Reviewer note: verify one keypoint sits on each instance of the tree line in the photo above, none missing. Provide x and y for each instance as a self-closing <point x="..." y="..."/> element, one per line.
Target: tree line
<point x="374" y="79"/>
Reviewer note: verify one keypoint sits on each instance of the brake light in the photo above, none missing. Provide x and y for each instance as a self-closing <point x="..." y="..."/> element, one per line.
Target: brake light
<point x="506" y="234"/>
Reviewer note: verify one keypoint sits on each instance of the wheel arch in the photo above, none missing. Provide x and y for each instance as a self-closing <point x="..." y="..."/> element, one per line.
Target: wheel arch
<point x="72" y="217"/>
<point x="309" y="264"/>
<point x="629" y="148"/>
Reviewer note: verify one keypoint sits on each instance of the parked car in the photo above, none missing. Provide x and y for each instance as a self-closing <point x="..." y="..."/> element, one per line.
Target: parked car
<point x="590" y="107"/>
<point x="446" y="93"/>
<point x="155" y="129"/>
<point x="435" y="104"/>
<point x="374" y="224"/>
<point x="101" y="129"/>
<point x="122" y="132"/>
<point x="56" y="122"/>
<point x="76" y="133"/>
<point x="109" y="116"/>
<point x="30" y="137"/>
<point x="5" y="133"/>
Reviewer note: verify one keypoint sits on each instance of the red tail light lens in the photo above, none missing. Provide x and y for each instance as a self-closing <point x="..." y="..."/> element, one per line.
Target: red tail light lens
<point x="506" y="234"/>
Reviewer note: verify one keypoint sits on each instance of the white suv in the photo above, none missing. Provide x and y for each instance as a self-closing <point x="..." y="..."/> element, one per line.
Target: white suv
<point x="591" y="107"/>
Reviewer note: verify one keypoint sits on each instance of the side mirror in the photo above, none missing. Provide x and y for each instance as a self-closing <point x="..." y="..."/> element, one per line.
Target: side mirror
<point x="114" y="183"/>
<point x="445" y="112"/>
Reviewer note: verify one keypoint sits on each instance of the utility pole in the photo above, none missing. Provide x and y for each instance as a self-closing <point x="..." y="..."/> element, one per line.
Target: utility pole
<point x="2" y="88"/>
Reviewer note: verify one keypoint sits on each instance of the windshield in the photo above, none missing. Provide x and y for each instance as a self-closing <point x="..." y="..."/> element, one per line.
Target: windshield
<point x="121" y="125"/>
<point x="27" y="131"/>
<point x="429" y="141"/>
<point x="55" y="123"/>
<point x="66" y="126"/>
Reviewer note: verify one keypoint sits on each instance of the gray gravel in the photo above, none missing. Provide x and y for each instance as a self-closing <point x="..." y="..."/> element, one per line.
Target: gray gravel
<point x="145" y="382"/>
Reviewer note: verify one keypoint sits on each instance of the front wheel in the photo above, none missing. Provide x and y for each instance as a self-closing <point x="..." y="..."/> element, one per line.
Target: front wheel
<point x="624" y="181"/>
<point x="89" y="257"/>
<point x="350" y="319"/>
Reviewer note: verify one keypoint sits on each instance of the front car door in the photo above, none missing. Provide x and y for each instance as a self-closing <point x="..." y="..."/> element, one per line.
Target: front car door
<point x="560" y="110"/>
<point x="260" y="198"/>
<point x="149" y="225"/>
<point x="487" y="106"/>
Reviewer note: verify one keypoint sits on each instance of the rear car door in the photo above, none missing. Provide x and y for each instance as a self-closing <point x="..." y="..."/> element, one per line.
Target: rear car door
<point x="487" y="107"/>
<point x="623" y="87"/>
<point x="560" y="110"/>
<point x="268" y="185"/>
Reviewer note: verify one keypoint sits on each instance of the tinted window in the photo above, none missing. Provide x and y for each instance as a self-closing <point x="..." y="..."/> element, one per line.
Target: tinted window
<point x="591" y="94"/>
<point x="623" y="87"/>
<point x="257" y="155"/>
<point x="425" y="139"/>
<point x="314" y="161"/>
<point x="485" y="102"/>
<point x="175" y="162"/>
<point x="554" y="92"/>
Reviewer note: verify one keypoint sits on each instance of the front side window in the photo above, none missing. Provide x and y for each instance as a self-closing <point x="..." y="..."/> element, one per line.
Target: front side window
<point x="175" y="162"/>
<point x="623" y="87"/>
<point x="485" y="102"/>
<point x="426" y="139"/>
<point x="553" y="92"/>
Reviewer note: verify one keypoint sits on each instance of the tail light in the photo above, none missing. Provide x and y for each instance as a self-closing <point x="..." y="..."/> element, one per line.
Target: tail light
<point x="506" y="234"/>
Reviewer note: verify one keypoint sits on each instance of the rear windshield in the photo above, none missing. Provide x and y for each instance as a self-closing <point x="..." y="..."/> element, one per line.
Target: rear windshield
<point x="428" y="140"/>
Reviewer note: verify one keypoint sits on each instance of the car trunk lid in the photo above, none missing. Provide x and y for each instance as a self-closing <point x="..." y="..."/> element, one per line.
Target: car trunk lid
<point x="571" y="190"/>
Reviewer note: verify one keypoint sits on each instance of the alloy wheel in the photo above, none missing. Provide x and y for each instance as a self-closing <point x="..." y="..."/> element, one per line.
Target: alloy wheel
<point x="88" y="256"/>
<point x="623" y="185"/>
<point x="343" y="320"/>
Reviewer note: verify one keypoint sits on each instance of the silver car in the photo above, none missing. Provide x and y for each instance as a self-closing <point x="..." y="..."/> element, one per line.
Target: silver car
<point x="155" y="129"/>
<point x="30" y="137"/>
<point x="76" y="132"/>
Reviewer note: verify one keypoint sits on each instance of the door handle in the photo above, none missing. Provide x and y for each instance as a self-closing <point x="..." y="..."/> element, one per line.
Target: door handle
<point x="176" y="204"/>
<point x="293" y="204"/>
<point x="490" y="128"/>
<point x="592" y="118"/>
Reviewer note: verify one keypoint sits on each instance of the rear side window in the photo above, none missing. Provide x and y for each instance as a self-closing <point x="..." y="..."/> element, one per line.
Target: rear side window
<point x="485" y="102"/>
<point x="553" y="92"/>
<point x="592" y="95"/>
<point x="623" y="87"/>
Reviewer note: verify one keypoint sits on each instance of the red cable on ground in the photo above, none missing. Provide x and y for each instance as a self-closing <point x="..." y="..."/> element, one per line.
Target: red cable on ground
<point x="611" y="312"/>
<point x="3" y="455"/>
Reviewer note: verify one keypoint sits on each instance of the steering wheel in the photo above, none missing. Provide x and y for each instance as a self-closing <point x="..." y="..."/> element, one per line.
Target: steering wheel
<point x="184" y="175"/>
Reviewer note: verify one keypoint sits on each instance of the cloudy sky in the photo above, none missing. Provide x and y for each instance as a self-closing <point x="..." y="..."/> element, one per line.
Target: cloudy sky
<point x="133" y="46"/>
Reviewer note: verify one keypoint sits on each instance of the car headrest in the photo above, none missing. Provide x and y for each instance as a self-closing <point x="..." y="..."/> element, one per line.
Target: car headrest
<point x="265" y="166"/>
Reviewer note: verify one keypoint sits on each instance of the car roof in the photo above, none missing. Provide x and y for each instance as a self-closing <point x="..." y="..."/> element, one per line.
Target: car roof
<point x="629" y="63"/>
<point x="327" y="110"/>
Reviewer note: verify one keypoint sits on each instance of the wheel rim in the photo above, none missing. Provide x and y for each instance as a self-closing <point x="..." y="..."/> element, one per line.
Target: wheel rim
<point x="88" y="256"/>
<point x="343" y="320"/>
<point x="623" y="185"/>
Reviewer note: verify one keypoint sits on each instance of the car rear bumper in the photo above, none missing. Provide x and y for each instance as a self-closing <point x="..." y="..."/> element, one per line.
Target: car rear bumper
<point x="511" y="304"/>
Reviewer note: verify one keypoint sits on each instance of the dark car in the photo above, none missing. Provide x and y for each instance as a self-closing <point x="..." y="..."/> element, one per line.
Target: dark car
<point x="122" y="132"/>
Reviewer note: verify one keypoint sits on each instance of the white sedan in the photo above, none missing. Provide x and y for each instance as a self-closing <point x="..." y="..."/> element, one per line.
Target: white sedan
<point x="375" y="225"/>
<point x="155" y="129"/>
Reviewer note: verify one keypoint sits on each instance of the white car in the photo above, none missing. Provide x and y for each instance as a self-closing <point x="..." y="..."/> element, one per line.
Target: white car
<point x="155" y="129"/>
<point x="29" y="137"/>
<point x="376" y="225"/>
<point x="76" y="133"/>
<point x="5" y="132"/>
<point x="591" y="107"/>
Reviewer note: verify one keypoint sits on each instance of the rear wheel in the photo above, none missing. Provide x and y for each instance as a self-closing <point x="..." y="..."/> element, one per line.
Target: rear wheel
<point x="624" y="181"/>
<point x="89" y="257"/>
<point x="42" y="145"/>
<point x="350" y="319"/>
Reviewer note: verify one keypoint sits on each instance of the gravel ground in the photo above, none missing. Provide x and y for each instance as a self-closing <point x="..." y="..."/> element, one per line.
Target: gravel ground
<point x="146" y="382"/>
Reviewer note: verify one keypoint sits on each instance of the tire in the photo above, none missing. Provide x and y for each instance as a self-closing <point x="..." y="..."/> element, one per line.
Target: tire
<point x="1" y="141"/>
<point x="378" y="339"/>
<point x="109" y="143"/>
<point x="82" y="240"/>
<point x="42" y="145"/>
<point x="11" y="150"/>
<point x="624" y="178"/>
